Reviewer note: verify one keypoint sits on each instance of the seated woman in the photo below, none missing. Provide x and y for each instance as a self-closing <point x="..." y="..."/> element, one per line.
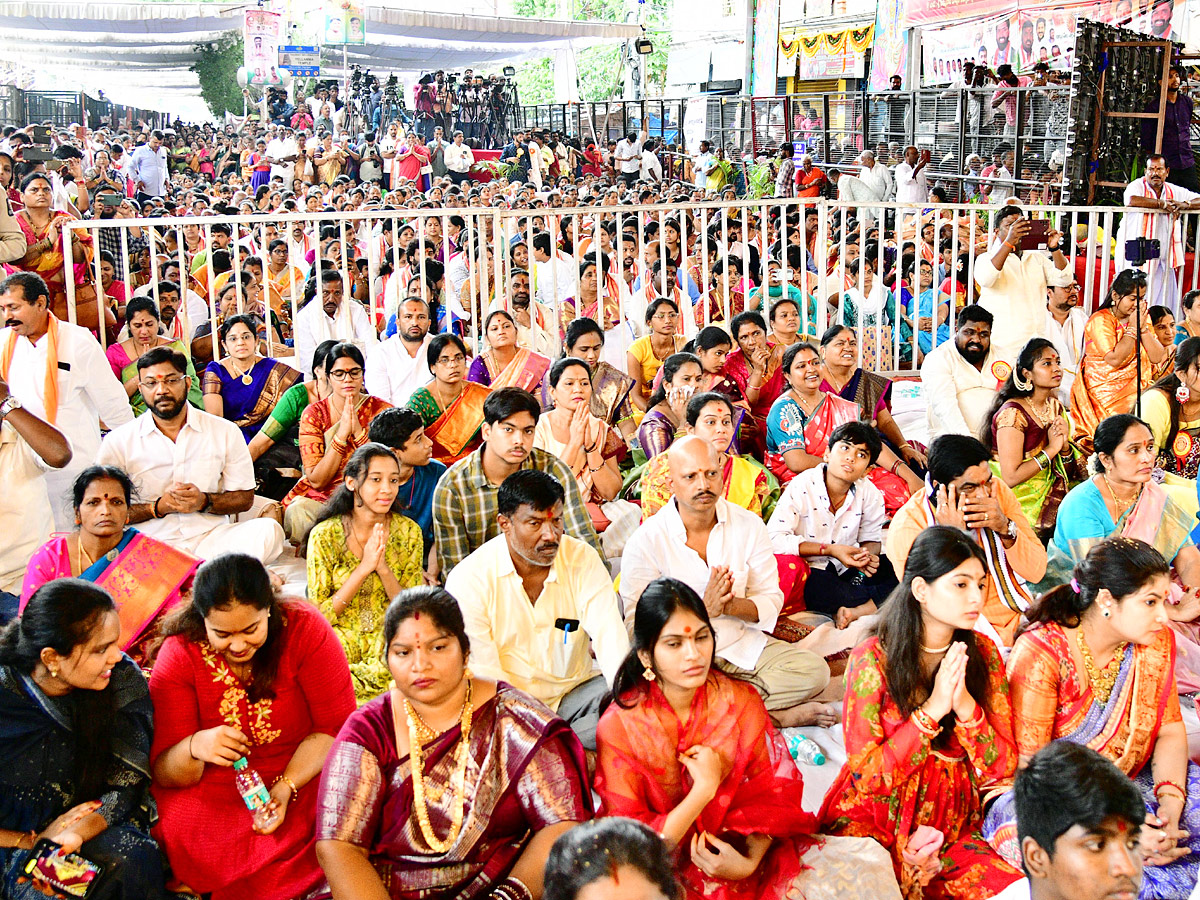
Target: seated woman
<point x="75" y="726"/>
<point x="1097" y="667"/>
<point x="450" y="406"/>
<point x="842" y="375"/>
<point x="748" y="484"/>
<point x="361" y="551"/>
<point x="1171" y="407"/>
<point x="590" y="448"/>
<point x="144" y="577"/>
<point x="755" y="367"/>
<point x="1162" y="320"/>
<point x="1028" y="432"/>
<point x="447" y="786"/>
<point x="599" y="858"/>
<point x="1106" y="383"/>
<point x="927" y="716"/>
<point x="647" y="354"/>
<point x="1189" y="325"/>
<point x="245" y="387"/>
<point x="504" y="364"/>
<point x="243" y="673"/>
<point x="866" y="293"/>
<point x="801" y="420"/>
<point x="667" y="757"/>
<point x="610" y="386"/>
<point x="668" y="404"/>
<point x="232" y="301"/>
<point x="330" y="431"/>
<point x="712" y="346"/>
<point x="929" y="303"/>
<point x="142" y="319"/>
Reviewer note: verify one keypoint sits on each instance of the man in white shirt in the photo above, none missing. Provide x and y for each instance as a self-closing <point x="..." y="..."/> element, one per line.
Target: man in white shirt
<point x="736" y="575"/>
<point x="331" y="319"/>
<point x="1012" y="282"/>
<point x="1065" y="322"/>
<point x="148" y="168"/>
<point x="960" y="378"/>
<point x="651" y="169"/>
<point x="702" y="164"/>
<point x="911" y="184"/>
<point x="628" y="156"/>
<point x="554" y="278"/>
<point x="29" y="448"/>
<point x="832" y="516"/>
<point x="872" y="183"/>
<point x="191" y="469"/>
<point x="1163" y="202"/>
<point x="282" y="152"/>
<point x="537" y="603"/>
<point x="397" y="367"/>
<point x="38" y="351"/>
<point x="458" y="158"/>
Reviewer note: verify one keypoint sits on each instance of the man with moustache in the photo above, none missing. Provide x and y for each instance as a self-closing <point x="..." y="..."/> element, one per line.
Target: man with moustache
<point x="1065" y="322"/>
<point x="537" y="603"/>
<point x="724" y="553"/>
<point x="59" y="374"/>
<point x="396" y="366"/>
<point x="330" y="317"/>
<point x="960" y="378"/>
<point x="192" y="470"/>
<point x="1005" y="52"/>
<point x="1012" y="282"/>
<point x="524" y="309"/>
<point x="1163" y="201"/>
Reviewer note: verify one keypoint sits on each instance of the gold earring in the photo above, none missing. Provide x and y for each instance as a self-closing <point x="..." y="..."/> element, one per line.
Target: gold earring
<point x="54" y="673"/>
<point x="648" y="674"/>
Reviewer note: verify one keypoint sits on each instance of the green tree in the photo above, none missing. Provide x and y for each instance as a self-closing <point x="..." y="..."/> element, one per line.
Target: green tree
<point x="216" y="66"/>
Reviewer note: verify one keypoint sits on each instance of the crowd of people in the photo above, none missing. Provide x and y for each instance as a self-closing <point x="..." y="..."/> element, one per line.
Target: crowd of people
<point x="506" y="556"/>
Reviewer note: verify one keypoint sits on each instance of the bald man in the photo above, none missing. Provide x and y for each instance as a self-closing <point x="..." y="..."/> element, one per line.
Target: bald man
<point x="724" y="554"/>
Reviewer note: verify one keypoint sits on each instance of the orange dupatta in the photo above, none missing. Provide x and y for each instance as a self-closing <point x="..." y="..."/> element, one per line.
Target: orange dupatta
<point x="459" y="422"/>
<point x="50" y="391"/>
<point x="526" y="370"/>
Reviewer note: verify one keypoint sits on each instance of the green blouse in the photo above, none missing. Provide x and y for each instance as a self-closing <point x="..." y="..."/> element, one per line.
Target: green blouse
<point x="287" y="412"/>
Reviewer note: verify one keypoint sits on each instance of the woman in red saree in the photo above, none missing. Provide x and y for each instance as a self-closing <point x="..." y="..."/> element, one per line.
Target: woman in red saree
<point x="692" y="753"/>
<point x="145" y="577"/>
<point x="1097" y="667"/>
<point x="244" y="674"/>
<point x="450" y="406"/>
<point x="447" y="786"/>
<point x="928" y="727"/>
<point x="803" y="418"/>
<point x="755" y="367"/>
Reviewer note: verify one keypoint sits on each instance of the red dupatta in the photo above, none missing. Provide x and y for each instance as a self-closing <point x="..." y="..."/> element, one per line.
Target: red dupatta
<point x="638" y="774"/>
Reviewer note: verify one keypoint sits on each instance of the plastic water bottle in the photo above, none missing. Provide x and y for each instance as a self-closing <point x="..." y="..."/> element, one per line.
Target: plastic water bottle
<point x="254" y="793"/>
<point x="804" y="749"/>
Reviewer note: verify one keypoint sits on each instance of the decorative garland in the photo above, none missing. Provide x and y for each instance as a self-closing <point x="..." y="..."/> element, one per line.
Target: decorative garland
<point x="828" y="43"/>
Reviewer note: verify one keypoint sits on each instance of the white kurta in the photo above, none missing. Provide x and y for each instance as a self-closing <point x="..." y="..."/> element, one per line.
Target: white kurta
<point x="1164" y="228"/>
<point x="1068" y="341"/>
<point x="1016" y="296"/>
<point x="88" y="394"/>
<point x="957" y="395"/>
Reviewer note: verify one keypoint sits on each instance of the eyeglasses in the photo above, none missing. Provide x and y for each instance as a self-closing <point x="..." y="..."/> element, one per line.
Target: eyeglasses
<point x="170" y="381"/>
<point x="343" y="374"/>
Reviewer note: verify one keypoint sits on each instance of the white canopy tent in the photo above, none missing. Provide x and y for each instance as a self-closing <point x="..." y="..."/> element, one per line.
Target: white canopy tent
<point x="139" y="54"/>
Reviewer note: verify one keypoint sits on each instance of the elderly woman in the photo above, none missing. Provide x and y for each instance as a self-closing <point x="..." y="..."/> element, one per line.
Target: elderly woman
<point x="504" y="364"/>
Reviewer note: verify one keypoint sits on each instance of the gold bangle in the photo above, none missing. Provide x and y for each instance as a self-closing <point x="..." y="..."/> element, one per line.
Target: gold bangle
<point x="291" y="784"/>
<point x="925" y="723"/>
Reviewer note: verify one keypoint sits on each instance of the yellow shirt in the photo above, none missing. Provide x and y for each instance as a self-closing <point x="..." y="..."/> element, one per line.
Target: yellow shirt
<point x="516" y="640"/>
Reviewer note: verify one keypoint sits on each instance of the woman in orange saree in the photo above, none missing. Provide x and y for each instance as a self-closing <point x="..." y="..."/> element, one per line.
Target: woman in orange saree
<point x="46" y="254"/>
<point x="450" y="406"/>
<point x="1107" y="381"/>
<point x="692" y="753"/>
<point x="928" y="727"/>
<point x="1097" y="667"/>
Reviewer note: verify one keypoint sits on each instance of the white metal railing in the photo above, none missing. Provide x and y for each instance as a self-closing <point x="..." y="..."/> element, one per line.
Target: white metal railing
<point x="734" y="225"/>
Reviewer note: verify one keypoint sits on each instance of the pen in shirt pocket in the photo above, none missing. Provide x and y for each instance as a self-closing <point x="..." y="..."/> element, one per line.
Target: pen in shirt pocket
<point x="566" y="626"/>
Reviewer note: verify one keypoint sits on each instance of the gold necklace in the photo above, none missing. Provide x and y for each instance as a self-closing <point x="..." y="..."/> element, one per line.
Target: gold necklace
<point x="82" y="552"/>
<point x="1046" y="414"/>
<point x="458" y="777"/>
<point x="244" y="376"/>
<point x="1102" y="682"/>
<point x="936" y="649"/>
<point x="1122" y="505"/>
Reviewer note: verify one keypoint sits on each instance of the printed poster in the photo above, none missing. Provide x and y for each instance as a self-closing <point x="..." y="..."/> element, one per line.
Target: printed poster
<point x="890" y="55"/>
<point x="345" y="22"/>
<point x="261" y="32"/>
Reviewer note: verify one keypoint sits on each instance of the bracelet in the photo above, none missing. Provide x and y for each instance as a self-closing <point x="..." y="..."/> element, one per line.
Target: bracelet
<point x="511" y="889"/>
<point x="1169" y="784"/>
<point x="824" y="551"/>
<point x="291" y="784"/>
<point x="154" y="510"/>
<point x="1043" y="459"/>
<point x="976" y="717"/>
<point x="897" y="464"/>
<point x="1010" y="246"/>
<point x="925" y="723"/>
<point x="191" y="738"/>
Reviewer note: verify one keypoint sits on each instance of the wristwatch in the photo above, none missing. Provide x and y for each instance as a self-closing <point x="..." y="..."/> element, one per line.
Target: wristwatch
<point x="10" y="403"/>
<point x="1012" y="530"/>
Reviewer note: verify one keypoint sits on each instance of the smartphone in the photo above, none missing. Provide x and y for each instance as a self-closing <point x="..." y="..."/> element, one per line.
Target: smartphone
<point x="35" y="154"/>
<point x="39" y="134"/>
<point x="111" y="200"/>
<point x="1036" y="237"/>
<point x="68" y="873"/>
<point x="54" y="165"/>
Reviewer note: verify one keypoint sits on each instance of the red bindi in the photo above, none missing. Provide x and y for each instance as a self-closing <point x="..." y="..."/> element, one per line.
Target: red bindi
<point x="1122" y="826"/>
<point x="687" y="629"/>
<point x="417" y="615"/>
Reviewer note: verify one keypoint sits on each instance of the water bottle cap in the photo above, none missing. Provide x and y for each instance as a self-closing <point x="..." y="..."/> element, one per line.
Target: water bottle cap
<point x="240" y="764"/>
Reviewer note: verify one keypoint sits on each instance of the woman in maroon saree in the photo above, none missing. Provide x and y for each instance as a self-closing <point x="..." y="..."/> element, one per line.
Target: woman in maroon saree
<point x="452" y="820"/>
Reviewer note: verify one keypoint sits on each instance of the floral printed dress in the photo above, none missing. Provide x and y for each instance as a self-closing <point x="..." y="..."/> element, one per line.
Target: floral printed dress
<point x="895" y="779"/>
